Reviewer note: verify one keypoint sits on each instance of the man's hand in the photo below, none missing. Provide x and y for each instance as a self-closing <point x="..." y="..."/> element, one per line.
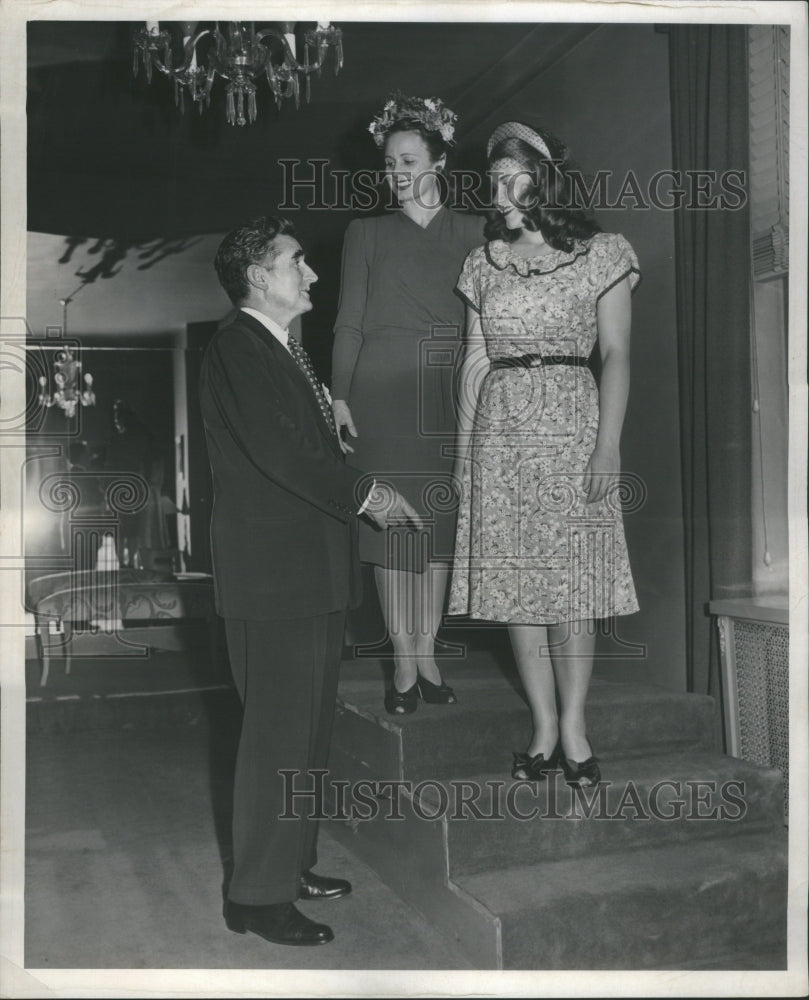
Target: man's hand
<point x="342" y="418"/>
<point x="387" y="508"/>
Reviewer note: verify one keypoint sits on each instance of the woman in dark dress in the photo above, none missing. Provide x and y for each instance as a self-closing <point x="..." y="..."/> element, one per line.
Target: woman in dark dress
<point x="397" y="333"/>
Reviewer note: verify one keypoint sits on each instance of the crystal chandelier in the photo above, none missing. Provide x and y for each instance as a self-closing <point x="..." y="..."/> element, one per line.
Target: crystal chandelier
<point x="241" y="54"/>
<point x="67" y="393"/>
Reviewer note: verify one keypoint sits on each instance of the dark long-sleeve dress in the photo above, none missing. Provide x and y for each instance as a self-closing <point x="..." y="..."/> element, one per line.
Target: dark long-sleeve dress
<point x="397" y="337"/>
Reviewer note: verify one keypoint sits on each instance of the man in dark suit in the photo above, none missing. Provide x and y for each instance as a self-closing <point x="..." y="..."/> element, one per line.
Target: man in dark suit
<point x="283" y="535"/>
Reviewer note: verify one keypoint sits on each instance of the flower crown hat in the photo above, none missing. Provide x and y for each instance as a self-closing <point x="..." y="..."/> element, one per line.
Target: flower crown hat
<point x="430" y="112"/>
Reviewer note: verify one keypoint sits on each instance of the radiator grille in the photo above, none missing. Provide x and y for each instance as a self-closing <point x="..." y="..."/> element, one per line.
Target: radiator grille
<point x="762" y="678"/>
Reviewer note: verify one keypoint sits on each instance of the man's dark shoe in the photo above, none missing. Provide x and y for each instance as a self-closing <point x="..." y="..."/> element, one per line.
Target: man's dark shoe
<point x="280" y="923"/>
<point x="319" y="887"/>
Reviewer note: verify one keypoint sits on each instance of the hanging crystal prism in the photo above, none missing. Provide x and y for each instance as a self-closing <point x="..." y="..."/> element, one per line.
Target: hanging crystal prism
<point x="239" y="55"/>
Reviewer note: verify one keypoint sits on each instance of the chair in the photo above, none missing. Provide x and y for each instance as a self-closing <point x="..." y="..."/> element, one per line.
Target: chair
<point x="41" y="586"/>
<point x="109" y="619"/>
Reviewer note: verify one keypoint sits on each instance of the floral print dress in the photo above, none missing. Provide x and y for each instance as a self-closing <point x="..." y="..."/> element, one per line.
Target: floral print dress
<point x="529" y="548"/>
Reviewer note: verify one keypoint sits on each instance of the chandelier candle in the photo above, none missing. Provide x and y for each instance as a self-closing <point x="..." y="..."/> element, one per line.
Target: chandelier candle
<point x="241" y="54"/>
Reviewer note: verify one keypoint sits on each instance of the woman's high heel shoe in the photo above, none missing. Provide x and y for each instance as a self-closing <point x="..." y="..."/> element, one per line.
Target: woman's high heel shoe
<point x="528" y="768"/>
<point x="436" y="694"/>
<point x="581" y="774"/>
<point x="401" y="702"/>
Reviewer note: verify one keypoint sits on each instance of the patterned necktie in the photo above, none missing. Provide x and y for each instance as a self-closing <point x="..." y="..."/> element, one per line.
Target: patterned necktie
<point x="304" y="363"/>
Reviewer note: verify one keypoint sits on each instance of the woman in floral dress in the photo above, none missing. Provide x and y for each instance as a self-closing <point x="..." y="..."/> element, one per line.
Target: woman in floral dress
<point x="540" y="542"/>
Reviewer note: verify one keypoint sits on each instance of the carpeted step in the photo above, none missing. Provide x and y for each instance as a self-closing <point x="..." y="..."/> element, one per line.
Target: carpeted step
<point x="693" y="891"/>
<point x="642" y="802"/>
<point x="656" y="908"/>
<point x="491" y="719"/>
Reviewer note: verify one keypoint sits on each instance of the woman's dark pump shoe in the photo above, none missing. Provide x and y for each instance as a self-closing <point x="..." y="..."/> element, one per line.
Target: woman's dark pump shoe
<point x="581" y="774"/>
<point x="402" y="702"/>
<point x="280" y="923"/>
<point x="528" y="768"/>
<point x="436" y="694"/>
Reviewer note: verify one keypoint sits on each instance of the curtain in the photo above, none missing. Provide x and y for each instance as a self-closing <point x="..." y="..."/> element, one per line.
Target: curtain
<point x="709" y="93"/>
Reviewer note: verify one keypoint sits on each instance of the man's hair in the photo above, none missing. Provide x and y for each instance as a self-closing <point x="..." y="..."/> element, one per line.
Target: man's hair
<point x="244" y="246"/>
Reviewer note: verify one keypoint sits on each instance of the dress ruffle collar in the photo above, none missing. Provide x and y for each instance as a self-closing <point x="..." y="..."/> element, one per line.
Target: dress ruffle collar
<point x="500" y="255"/>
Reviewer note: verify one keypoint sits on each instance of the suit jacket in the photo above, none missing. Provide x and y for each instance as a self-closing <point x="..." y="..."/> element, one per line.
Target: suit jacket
<point x="283" y="526"/>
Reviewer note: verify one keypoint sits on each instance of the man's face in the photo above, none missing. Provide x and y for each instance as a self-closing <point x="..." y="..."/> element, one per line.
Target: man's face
<point x="288" y="278"/>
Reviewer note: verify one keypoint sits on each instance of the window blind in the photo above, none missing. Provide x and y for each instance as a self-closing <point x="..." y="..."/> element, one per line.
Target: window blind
<point x="769" y="148"/>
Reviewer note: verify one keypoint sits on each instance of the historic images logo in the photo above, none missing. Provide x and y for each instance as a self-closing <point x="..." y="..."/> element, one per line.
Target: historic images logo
<point x="669" y="799"/>
<point x="315" y="185"/>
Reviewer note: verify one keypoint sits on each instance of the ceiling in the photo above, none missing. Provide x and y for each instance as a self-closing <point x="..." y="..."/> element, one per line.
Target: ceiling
<point x="119" y="289"/>
<point x="127" y="185"/>
<point x="109" y="155"/>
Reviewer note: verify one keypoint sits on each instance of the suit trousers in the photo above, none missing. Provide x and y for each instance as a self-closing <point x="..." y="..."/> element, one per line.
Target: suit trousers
<point x="286" y="673"/>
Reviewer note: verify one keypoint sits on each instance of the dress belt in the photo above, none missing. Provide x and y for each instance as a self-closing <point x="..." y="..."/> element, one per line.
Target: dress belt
<point x="539" y="361"/>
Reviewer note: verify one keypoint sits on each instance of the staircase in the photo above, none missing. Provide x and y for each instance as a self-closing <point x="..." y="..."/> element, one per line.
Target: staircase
<point x="678" y="862"/>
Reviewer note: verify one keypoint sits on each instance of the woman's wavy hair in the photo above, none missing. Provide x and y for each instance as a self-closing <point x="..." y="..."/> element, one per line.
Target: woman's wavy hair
<point x="550" y="198"/>
<point x="436" y="147"/>
<point x="432" y="139"/>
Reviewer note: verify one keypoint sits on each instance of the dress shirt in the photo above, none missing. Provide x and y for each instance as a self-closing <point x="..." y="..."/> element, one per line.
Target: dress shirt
<point x="282" y="336"/>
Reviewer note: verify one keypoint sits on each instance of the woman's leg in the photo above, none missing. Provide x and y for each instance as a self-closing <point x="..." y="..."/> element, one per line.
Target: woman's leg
<point x="529" y="643"/>
<point x="412" y="604"/>
<point x="398" y="597"/>
<point x="571" y="647"/>
<point x="431" y="588"/>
